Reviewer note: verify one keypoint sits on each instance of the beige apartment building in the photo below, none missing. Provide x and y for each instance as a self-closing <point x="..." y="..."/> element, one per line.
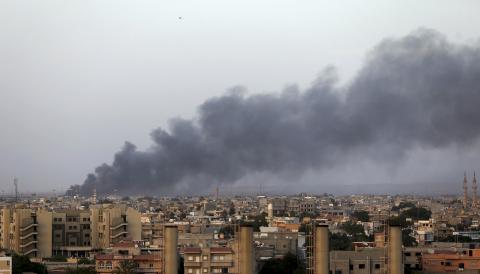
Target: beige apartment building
<point x="19" y="230"/>
<point x="5" y="265"/>
<point x="71" y="233"/>
<point x="210" y="260"/>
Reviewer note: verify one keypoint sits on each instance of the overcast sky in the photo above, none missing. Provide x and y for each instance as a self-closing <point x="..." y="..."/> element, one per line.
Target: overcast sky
<point x="79" y="78"/>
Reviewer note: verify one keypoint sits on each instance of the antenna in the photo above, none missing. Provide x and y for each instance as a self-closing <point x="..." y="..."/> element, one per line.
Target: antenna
<point x="15" y="183"/>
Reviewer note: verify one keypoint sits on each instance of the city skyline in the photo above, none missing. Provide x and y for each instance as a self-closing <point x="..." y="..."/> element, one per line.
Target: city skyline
<point x="75" y="92"/>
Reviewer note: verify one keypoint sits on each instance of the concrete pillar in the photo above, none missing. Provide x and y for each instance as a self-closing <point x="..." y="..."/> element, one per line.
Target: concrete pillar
<point x="245" y="246"/>
<point x="170" y="249"/>
<point x="322" y="256"/>
<point x="395" y="250"/>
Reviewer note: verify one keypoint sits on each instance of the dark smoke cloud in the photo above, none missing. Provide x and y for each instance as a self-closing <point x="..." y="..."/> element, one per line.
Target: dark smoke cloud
<point x="420" y="91"/>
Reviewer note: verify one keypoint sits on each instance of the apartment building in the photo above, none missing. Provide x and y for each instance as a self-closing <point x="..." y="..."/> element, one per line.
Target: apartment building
<point x="451" y="261"/>
<point x="19" y="230"/>
<point x="365" y="261"/>
<point x="270" y="242"/>
<point x="128" y="251"/>
<point x="112" y="224"/>
<point x="66" y="232"/>
<point x="5" y="265"/>
<point x="210" y="260"/>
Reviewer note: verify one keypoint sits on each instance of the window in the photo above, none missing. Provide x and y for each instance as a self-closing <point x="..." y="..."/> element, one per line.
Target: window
<point x="190" y="258"/>
<point x="205" y="270"/>
<point x="461" y="265"/>
<point x="350" y="267"/>
<point x="418" y="254"/>
<point x="377" y="266"/>
<point x="338" y="271"/>
<point x="361" y="266"/>
<point x="408" y="254"/>
<point x="205" y="258"/>
<point x="151" y="265"/>
<point x="190" y="270"/>
<point x="448" y="263"/>
<point x="470" y="253"/>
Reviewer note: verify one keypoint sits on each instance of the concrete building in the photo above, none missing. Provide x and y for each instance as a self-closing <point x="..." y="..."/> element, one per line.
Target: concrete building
<point x="210" y="260"/>
<point x="18" y="226"/>
<point x="5" y="265"/>
<point x="128" y="251"/>
<point x="66" y="232"/>
<point x="365" y="261"/>
<point x="451" y="261"/>
<point x="112" y="224"/>
<point x="275" y="243"/>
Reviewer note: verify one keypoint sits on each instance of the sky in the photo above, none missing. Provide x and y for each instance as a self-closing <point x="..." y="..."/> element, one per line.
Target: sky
<point x="79" y="78"/>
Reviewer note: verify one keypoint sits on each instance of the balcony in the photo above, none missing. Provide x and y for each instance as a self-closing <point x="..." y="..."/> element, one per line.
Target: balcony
<point x="30" y="251"/>
<point x="28" y="226"/>
<point x="192" y="263"/>
<point x="118" y="234"/>
<point x="28" y="235"/>
<point x="221" y="263"/>
<point x="117" y="226"/>
<point x="29" y="243"/>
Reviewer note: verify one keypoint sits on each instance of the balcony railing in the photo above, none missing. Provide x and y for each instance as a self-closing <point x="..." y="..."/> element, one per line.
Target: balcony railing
<point x="28" y="235"/>
<point x="28" y="226"/>
<point x="117" y="226"/>
<point x="118" y="234"/>
<point x="221" y="263"/>
<point x="29" y="243"/>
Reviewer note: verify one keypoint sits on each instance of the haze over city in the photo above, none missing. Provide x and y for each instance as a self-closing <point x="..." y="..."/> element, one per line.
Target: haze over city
<point x="294" y="97"/>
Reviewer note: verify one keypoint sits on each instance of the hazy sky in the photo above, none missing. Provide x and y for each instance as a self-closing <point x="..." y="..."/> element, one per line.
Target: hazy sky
<point x="78" y="78"/>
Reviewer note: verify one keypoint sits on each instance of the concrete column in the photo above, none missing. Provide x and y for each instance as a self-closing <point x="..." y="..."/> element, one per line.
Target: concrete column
<point x="246" y="255"/>
<point x="395" y="250"/>
<point x="322" y="256"/>
<point x="170" y="249"/>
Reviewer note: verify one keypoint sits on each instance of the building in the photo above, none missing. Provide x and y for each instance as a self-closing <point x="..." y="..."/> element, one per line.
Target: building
<point x="451" y="261"/>
<point x="112" y="224"/>
<point x="5" y="265"/>
<point x="270" y="242"/>
<point x="128" y="251"/>
<point x="18" y="228"/>
<point x="364" y="261"/>
<point x="66" y="232"/>
<point x="209" y="260"/>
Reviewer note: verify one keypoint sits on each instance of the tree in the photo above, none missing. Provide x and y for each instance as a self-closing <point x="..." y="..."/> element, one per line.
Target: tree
<point x="287" y="265"/>
<point x="125" y="267"/>
<point x="85" y="260"/>
<point x="417" y="213"/>
<point x="408" y="240"/>
<point x="22" y="263"/>
<point x="340" y="241"/>
<point x="361" y="215"/>
<point x="81" y="270"/>
<point x="355" y="231"/>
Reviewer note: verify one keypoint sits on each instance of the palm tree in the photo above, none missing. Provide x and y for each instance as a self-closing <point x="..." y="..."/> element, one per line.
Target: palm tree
<point x="125" y="267"/>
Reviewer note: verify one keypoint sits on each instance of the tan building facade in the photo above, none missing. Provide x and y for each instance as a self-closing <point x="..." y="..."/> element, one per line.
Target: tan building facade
<point x="5" y="265"/>
<point x="69" y="233"/>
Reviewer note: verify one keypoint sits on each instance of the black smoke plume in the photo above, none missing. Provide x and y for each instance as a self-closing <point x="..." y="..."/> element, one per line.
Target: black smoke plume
<point x="417" y="91"/>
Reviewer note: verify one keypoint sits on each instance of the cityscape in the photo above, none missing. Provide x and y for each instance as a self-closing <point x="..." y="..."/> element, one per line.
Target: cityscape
<point x="239" y="137"/>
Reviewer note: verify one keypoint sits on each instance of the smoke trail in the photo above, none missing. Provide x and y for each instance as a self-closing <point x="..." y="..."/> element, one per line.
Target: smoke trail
<point x="417" y="91"/>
